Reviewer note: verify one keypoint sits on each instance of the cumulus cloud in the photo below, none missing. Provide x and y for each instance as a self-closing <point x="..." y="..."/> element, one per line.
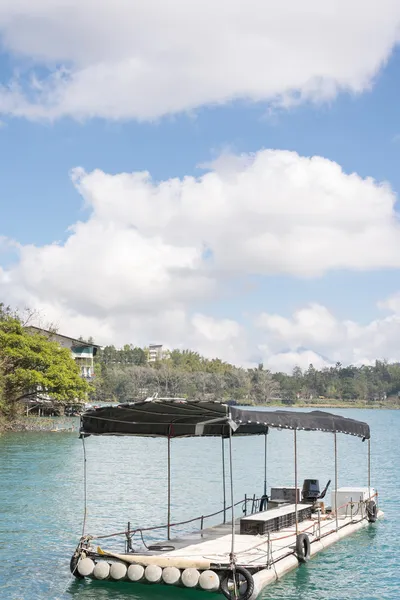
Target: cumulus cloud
<point x="271" y="212"/>
<point x="285" y="362"/>
<point x="149" y="58"/>
<point x="314" y="335"/>
<point x="152" y="255"/>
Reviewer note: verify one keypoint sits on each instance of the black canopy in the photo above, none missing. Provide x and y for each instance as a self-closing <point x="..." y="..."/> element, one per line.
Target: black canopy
<point x="185" y="418"/>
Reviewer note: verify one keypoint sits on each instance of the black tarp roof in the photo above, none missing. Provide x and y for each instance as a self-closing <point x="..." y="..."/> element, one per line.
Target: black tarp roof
<point x="185" y="418"/>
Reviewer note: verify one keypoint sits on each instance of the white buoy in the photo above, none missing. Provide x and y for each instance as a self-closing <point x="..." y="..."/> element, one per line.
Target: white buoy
<point x="85" y="567"/>
<point x="171" y="575"/>
<point x="135" y="572"/>
<point x="101" y="570"/>
<point x="118" y="571"/>
<point x="153" y="573"/>
<point x="190" y="577"/>
<point x="209" y="581"/>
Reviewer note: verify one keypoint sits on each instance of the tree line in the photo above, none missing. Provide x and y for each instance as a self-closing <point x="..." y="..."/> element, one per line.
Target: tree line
<point x="32" y="365"/>
<point x="124" y="374"/>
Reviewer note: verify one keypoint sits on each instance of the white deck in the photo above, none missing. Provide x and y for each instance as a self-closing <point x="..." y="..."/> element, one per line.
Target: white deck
<point x="214" y="544"/>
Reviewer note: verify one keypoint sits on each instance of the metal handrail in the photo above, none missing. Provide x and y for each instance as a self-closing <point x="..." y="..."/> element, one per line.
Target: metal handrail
<point x="201" y="518"/>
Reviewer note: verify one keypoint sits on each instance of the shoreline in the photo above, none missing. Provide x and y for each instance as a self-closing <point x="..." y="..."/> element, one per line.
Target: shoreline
<point x="71" y="424"/>
<point x="41" y="424"/>
<point x="338" y="404"/>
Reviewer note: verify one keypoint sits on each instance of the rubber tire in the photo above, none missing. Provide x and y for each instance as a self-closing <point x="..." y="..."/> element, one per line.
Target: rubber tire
<point x="227" y="575"/>
<point x="303" y="548"/>
<point x="161" y="548"/>
<point x="73" y="566"/>
<point x="372" y="511"/>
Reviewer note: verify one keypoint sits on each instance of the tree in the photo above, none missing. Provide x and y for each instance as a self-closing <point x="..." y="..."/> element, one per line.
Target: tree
<point x="263" y="386"/>
<point x="30" y="363"/>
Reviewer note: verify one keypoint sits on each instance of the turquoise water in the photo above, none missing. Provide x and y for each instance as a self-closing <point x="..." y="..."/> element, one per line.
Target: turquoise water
<point x="41" y="500"/>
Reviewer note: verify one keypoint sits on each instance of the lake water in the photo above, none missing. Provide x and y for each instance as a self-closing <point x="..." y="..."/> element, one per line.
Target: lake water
<point x="41" y="506"/>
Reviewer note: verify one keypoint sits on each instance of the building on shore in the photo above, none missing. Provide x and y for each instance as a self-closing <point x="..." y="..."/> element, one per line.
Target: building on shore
<point x="83" y="354"/>
<point x="156" y="352"/>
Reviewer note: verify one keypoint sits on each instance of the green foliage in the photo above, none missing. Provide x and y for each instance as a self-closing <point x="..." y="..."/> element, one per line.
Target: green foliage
<point x="30" y="363"/>
<point x="125" y="375"/>
<point x="369" y="383"/>
<point x="128" y="355"/>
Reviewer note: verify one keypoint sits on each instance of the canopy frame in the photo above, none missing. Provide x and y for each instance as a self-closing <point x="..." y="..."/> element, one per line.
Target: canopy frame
<point x="173" y="418"/>
<point x="188" y="418"/>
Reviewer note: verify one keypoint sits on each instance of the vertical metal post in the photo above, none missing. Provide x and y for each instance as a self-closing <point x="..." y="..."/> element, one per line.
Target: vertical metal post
<point x="128" y="543"/>
<point x="84" y="486"/>
<point x="336" y="482"/>
<point x="232" y="555"/>
<point x="265" y="464"/>
<point x="295" y="482"/>
<point x="369" y="468"/>
<point x="169" y="490"/>
<point x="223" y="478"/>
<point x="319" y="523"/>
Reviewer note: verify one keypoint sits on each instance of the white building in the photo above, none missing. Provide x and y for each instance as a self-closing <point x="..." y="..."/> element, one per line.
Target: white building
<point x="156" y="352"/>
<point x="82" y="352"/>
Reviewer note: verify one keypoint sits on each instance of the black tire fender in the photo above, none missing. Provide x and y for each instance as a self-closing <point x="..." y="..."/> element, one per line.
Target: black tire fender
<point x="242" y="576"/>
<point x="303" y="547"/>
<point x="372" y="511"/>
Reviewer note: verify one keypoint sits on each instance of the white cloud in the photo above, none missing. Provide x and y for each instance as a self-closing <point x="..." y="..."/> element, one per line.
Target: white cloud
<point x="149" y="58"/>
<point x="272" y="212"/>
<point x="151" y="255"/>
<point x="327" y="339"/>
<point x="285" y="362"/>
<point x="391" y="304"/>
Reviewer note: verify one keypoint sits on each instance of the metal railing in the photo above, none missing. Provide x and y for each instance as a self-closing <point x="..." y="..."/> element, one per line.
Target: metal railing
<point x="129" y="532"/>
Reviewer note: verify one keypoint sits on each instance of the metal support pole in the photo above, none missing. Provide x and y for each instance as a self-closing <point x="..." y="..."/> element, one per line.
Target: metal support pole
<point x="265" y="464"/>
<point x="319" y="523"/>
<point x="223" y="478"/>
<point x="232" y="554"/>
<point x="84" y="486"/>
<point x="369" y="468"/>
<point x="128" y="543"/>
<point x="336" y="482"/>
<point x="295" y="482"/>
<point x="169" y="490"/>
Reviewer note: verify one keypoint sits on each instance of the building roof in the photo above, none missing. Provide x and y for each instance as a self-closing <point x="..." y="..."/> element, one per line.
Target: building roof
<point x="55" y="333"/>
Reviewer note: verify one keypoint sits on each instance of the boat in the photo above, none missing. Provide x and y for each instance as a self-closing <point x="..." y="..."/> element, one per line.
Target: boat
<point x="239" y="557"/>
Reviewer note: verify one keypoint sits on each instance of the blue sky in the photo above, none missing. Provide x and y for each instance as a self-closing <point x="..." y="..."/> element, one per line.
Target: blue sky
<point x="358" y="130"/>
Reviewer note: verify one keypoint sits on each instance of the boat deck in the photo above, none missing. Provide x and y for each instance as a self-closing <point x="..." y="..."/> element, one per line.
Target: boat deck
<point x="214" y="543"/>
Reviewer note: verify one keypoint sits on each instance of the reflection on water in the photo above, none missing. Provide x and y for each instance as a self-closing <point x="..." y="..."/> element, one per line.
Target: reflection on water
<point x="41" y="499"/>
